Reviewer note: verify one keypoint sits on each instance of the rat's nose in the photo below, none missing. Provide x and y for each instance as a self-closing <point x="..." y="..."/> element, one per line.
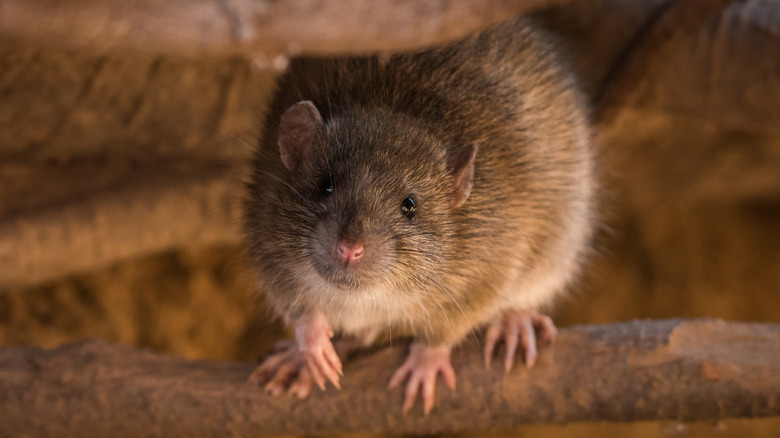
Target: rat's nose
<point x="350" y="253"/>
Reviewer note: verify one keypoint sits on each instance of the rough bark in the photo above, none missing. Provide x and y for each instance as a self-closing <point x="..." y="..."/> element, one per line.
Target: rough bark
<point x="642" y="370"/>
<point x="250" y="26"/>
<point x="654" y="39"/>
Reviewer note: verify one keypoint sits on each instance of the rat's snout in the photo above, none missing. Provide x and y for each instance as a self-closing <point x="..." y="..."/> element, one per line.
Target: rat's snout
<point x="349" y="252"/>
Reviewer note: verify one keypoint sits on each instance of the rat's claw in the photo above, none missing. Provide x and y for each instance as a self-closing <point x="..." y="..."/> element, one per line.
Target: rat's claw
<point x="301" y="387"/>
<point x="333" y="359"/>
<point x="410" y="394"/>
<point x="292" y="369"/>
<point x="511" y="339"/>
<point x="491" y="338"/>
<point x="519" y="326"/>
<point x="280" y="370"/>
<point x="422" y="366"/>
<point x="321" y="369"/>
<point x="548" y="331"/>
<point x="400" y="374"/>
<point x="429" y="391"/>
<point x="270" y="367"/>
<point x="528" y="336"/>
<point x="315" y="371"/>
<point x="283" y="376"/>
<point x="323" y="363"/>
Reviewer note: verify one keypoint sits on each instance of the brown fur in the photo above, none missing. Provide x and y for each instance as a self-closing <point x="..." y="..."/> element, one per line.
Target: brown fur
<point x="388" y="130"/>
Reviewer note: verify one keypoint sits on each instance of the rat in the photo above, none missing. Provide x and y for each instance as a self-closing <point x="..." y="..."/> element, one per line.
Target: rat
<point x="427" y="194"/>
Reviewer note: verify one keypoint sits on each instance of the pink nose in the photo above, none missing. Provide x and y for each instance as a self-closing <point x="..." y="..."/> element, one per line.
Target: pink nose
<point x="350" y="253"/>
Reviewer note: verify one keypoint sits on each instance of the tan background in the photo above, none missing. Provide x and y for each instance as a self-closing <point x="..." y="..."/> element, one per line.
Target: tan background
<point x="124" y="171"/>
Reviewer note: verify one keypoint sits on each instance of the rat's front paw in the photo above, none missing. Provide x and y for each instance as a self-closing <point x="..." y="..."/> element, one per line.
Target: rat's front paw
<point x="519" y="326"/>
<point x="312" y="334"/>
<point x="284" y="369"/>
<point x="311" y="358"/>
<point x="422" y="367"/>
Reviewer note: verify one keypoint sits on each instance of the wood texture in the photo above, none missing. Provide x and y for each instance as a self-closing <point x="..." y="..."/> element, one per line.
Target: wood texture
<point x="641" y="370"/>
<point x="250" y="26"/>
<point x="657" y="37"/>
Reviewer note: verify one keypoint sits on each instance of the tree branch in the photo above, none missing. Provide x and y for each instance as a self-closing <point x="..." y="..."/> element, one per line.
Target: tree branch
<point x="668" y="26"/>
<point x="111" y="219"/>
<point x="220" y="27"/>
<point x="643" y="370"/>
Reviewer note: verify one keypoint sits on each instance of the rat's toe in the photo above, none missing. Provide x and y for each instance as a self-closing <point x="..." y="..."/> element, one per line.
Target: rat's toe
<point x="519" y="327"/>
<point x="321" y="369"/>
<point x="283" y="371"/>
<point x="528" y="339"/>
<point x="491" y="338"/>
<point x="511" y="339"/>
<point x="422" y="367"/>
<point x="410" y="395"/>
<point x="429" y="392"/>
<point x="547" y="329"/>
<point x="301" y="387"/>
<point x="284" y="375"/>
<point x="270" y="366"/>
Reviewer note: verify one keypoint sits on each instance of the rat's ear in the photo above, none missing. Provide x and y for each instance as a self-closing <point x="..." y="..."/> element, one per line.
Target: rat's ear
<point x="461" y="167"/>
<point x="296" y="132"/>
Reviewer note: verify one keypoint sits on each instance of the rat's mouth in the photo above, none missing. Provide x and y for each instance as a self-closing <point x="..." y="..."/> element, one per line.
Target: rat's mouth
<point x="340" y="279"/>
<point x="344" y="281"/>
<point x="346" y="278"/>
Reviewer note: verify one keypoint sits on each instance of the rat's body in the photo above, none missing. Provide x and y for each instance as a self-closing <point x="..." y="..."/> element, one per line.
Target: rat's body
<point x="489" y="139"/>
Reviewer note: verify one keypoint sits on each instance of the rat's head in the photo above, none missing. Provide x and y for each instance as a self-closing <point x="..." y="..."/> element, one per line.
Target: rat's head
<point x="369" y="197"/>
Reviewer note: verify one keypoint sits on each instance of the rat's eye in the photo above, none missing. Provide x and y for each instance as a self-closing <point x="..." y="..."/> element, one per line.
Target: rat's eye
<point x="408" y="207"/>
<point x="326" y="187"/>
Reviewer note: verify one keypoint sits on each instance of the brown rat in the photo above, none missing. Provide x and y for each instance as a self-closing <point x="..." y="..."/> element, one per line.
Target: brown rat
<point x="426" y="195"/>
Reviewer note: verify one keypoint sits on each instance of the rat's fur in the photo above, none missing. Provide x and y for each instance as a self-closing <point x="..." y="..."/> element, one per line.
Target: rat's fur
<point x="388" y="130"/>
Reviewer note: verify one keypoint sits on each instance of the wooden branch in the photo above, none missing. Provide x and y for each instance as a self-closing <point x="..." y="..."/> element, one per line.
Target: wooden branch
<point x="162" y="206"/>
<point x="250" y="26"/>
<point x="644" y="370"/>
<point x="668" y="26"/>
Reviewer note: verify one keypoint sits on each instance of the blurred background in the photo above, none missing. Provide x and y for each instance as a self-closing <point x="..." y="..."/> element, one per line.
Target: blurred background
<point x="121" y="187"/>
